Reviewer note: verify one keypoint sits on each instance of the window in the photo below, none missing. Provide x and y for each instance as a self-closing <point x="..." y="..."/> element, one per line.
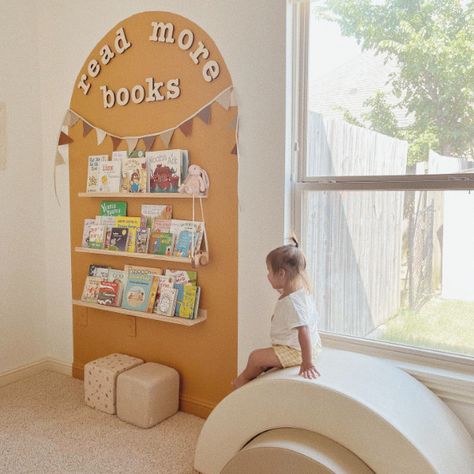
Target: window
<point x="383" y="125"/>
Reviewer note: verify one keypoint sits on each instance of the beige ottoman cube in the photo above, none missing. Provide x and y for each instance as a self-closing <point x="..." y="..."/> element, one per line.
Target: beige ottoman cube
<point x="147" y="394"/>
<point x="100" y="378"/>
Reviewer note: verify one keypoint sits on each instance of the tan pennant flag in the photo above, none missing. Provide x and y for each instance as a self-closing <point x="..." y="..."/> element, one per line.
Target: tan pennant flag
<point x="59" y="157"/>
<point x="100" y="135"/>
<point x="205" y="114"/>
<point x="131" y="144"/>
<point x="224" y="99"/>
<point x="233" y="123"/>
<point x="148" y="141"/>
<point x="86" y="128"/>
<point x="115" y="142"/>
<point x="64" y="139"/>
<point x="70" y="119"/>
<point x="187" y="127"/>
<point x="234" y="150"/>
<point x="233" y="98"/>
<point x="166" y="137"/>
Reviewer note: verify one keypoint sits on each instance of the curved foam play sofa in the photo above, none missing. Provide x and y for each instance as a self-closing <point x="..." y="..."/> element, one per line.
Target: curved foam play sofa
<point x="362" y="415"/>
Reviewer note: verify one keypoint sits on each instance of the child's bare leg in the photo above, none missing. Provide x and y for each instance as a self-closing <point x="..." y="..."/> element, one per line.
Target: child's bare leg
<point x="259" y="361"/>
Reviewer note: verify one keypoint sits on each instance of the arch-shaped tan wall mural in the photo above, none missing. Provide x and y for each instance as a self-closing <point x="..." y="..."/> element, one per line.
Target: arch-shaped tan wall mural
<point x="167" y="81"/>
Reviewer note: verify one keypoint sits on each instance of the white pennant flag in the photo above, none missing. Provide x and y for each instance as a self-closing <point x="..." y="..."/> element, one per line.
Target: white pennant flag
<point x="63" y="151"/>
<point x="132" y="143"/>
<point x="224" y="99"/>
<point x="166" y="137"/>
<point x="100" y="135"/>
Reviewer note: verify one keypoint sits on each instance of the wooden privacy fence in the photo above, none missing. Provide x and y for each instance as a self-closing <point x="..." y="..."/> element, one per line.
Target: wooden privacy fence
<point x="353" y="239"/>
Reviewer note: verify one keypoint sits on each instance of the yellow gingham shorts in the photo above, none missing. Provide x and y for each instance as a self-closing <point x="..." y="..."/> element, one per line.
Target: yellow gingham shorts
<point x="289" y="356"/>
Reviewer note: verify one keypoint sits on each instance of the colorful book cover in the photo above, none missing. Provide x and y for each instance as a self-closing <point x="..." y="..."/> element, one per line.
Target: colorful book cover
<point x="155" y="211"/>
<point x="97" y="236"/>
<point x="119" y="155"/>
<point x="119" y="239"/>
<point x="137" y="292"/>
<point x="141" y="240"/>
<point x="108" y="293"/>
<point x="134" y="175"/>
<point x="192" y="232"/>
<point x="186" y="308"/>
<point x="93" y="162"/>
<point x="161" y="225"/>
<point x="165" y="170"/>
<point x="162" y="243"/>
<point x="90" y="292"/>
<point x="85" y="233"/>
<point x="113" y="208"/>
<point x="109" y="176"/>
<point x="119" y="277"/>
<point x="124" y="221"/>
<point x="153" y="294"/>
<point x="182" y="278"/>
<point x="98" y="270"/>
<point x="166" y="302"/>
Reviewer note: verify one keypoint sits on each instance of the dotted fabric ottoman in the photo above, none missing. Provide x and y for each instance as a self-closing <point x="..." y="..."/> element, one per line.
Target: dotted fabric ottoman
<point x="100" y="377"/>
<point x="147" y="394"/>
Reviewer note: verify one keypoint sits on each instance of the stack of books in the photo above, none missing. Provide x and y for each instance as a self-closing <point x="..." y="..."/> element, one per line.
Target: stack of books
<point x="137" y="171"/>
<point x="172" y="293"/>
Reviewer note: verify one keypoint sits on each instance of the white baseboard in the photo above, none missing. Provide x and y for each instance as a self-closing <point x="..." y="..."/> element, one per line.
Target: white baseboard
<point x="34" y="368"/>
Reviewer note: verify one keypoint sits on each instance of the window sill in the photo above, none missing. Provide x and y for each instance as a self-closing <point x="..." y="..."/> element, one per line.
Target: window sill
<point x="450" y="377"/>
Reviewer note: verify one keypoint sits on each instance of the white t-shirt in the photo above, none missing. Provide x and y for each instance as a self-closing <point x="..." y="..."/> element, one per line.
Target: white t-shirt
<point x="292" y="311"/>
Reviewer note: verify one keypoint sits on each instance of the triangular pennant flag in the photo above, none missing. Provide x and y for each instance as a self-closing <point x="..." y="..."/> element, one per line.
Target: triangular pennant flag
<point x="64" y="139"/>
<point x="70" y="119"/>
<point x="148" y="141"/>
<point x="86" y="128"/>
<point x="187" y="127"/>
<point x="233" y="123"/>
<point x="115" y="142"/>
<point x="59" y="158"/>
<point x="100" y="135"/>
<point x="131" y="143"/>
<point x="205" y="114"/>
<point x="166" y="137"/>
<point x="234" y="150"/>
<point x="233" y="98"/>
<point x="224" y="99"/>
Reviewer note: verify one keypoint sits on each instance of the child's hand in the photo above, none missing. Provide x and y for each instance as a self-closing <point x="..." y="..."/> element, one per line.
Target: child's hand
<point x="308" y="371"/>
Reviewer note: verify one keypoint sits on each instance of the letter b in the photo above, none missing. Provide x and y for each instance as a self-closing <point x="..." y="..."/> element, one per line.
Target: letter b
<point x="108" y="97"/>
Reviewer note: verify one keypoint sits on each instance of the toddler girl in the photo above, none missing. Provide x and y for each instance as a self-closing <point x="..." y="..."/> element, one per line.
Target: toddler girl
<point x="294" y="334"/>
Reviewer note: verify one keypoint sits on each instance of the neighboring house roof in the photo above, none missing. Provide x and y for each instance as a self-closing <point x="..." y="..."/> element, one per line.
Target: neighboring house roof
<point x="348" y="86"/>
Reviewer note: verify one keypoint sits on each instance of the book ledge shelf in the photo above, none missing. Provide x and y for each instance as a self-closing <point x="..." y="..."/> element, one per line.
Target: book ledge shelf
<point x="118" y="253"/>
<point x="141" y="195"/>
<point x="141" y="314"/>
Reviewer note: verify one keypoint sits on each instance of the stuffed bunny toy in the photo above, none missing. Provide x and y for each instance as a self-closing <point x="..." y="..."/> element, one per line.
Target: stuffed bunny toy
<point x="196" y="182"/>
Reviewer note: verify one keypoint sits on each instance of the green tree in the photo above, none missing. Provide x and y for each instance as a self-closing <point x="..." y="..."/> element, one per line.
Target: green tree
<point x="432" y="41"/>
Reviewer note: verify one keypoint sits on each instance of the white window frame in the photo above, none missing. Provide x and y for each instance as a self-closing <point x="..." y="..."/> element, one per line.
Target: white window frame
<point x="434" y="368"/>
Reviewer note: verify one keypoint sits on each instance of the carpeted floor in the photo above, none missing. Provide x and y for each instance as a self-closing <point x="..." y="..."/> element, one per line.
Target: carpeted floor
<point x="46" y="428"/>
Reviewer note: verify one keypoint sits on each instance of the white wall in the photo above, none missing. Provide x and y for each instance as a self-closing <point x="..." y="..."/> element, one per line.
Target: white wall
<point x="22" y="257"/>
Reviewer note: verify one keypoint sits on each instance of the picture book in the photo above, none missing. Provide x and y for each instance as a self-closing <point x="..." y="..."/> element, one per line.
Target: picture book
<point x="153" y="294"/>
<point x="155" y="211"/>
<point x="119" y="239"/>
<point x="166" y="302"/>
<point x="141" y="240"/>
<point x="134" y="175"/>
<point x="196" y="304"/>
<point x="108" y="293"/>
<point x="110" y="221"/>
<point x="119" y="277"/>
<point x="119" y="155"/>
<point x="97" y="236"/>
<point x="165" y="168"/>
<point x="182" y="278"/>
<point x="187" y="233"/>
<point x="132" y="223"/>
<point x="137" y="291"/>
<point x="113" y="208"/>
<point x="86" y="231"/>
<point x="93" y="162"/>
<point x="186" y="308"/>
<point x="109" y="176"/>
<point x="185" y="164"/>
<point x="162" y="243"/>
<point x="161" y="225"/>
<point x="98" y="270"/>
<point x="90" y="292"/>
<point x="166" y="281"/>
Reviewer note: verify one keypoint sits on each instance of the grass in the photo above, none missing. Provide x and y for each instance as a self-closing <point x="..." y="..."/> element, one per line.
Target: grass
<point x="445" y="325"/>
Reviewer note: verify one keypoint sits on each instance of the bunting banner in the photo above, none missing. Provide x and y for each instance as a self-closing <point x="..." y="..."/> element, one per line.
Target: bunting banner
<point x="205" y="114"/>
<point x="115" y="142"/>
<point x="148" y="141"/>
<point x="131" y="144"/>
<point x="100" y="135"/>
<point x="86" y="128"/>
<point x="166" y="137"/>
<point x="187" y="127"/>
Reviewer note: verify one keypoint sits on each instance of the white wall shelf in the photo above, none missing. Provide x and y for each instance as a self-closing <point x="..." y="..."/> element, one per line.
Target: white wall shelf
<point x="140" y="195"/>
<point x="147" y="256"/>
<point x="141" y="314"/>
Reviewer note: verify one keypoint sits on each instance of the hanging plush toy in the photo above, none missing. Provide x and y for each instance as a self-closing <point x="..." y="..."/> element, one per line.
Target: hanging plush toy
<point x="196" y="182"/>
